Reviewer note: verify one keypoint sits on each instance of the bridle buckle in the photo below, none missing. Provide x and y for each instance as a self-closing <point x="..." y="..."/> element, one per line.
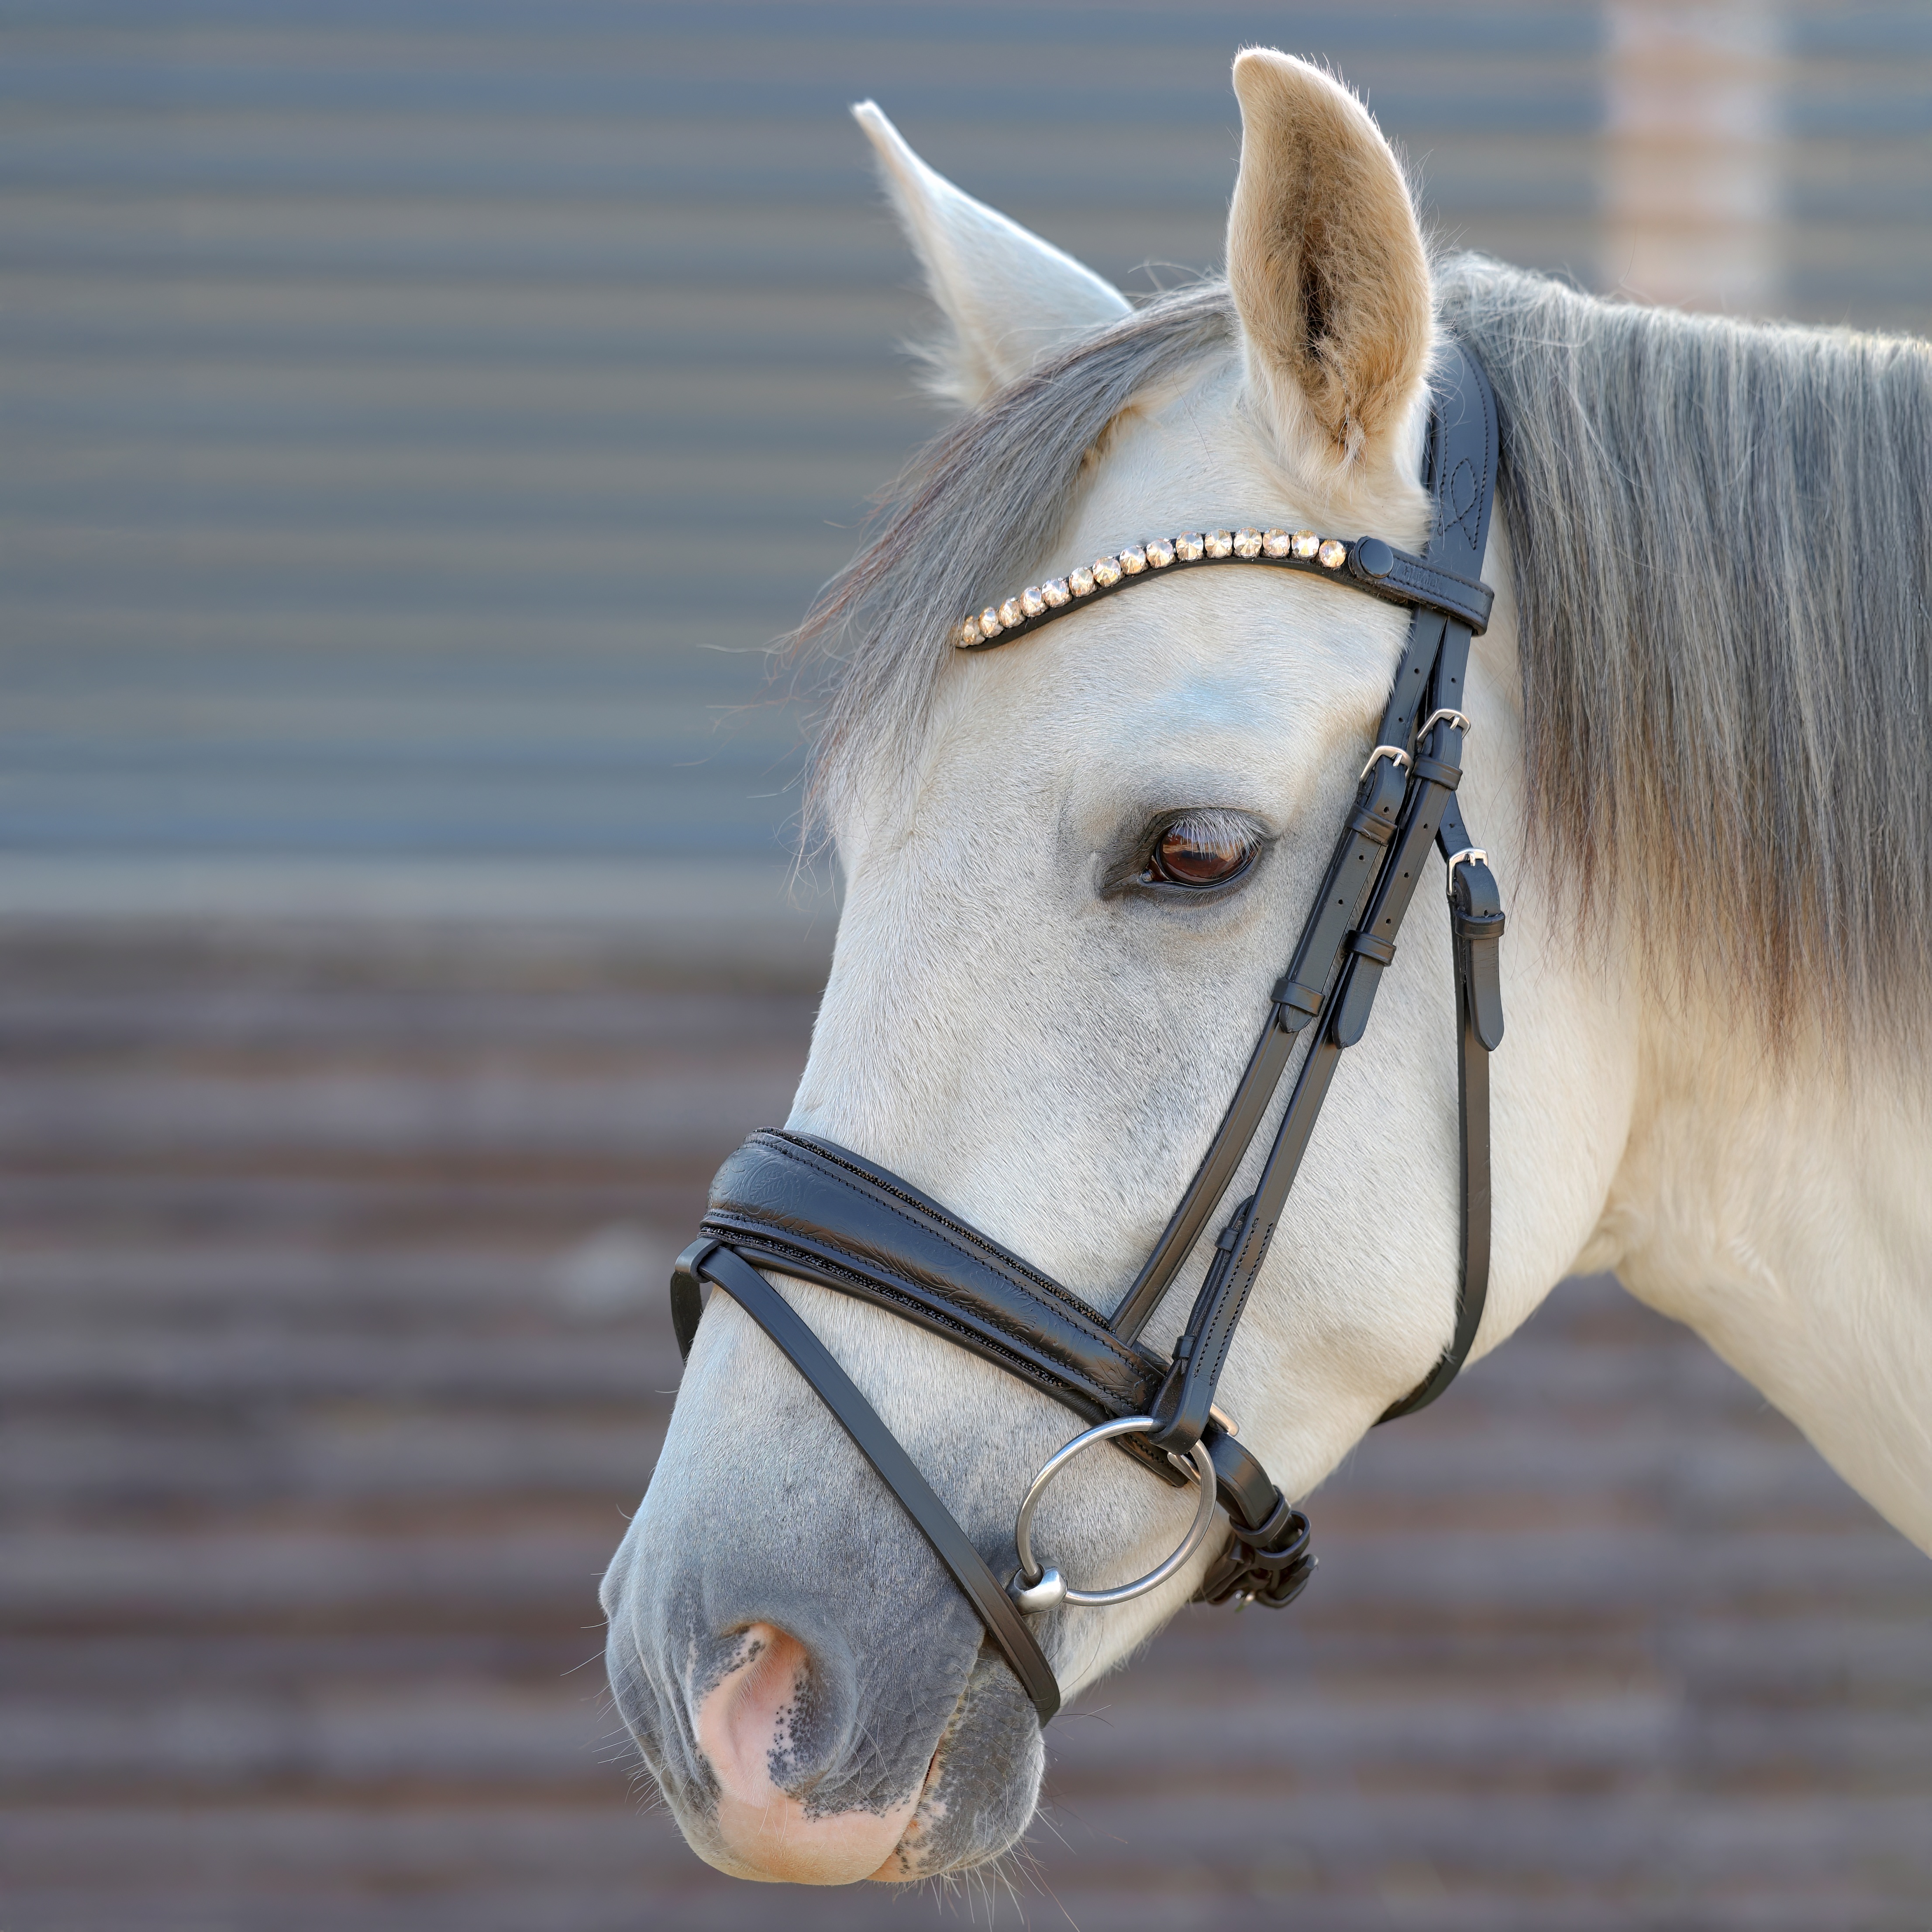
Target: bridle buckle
<point x="1471" y="855"/>
<point x="1394" y="753"/>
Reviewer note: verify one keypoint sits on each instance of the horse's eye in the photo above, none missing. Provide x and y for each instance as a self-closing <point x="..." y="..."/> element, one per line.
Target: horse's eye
<point x="1198" y="852"/>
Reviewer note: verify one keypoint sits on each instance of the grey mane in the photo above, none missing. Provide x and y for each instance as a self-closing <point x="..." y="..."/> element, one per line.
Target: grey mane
<point x="1721" y="541"/>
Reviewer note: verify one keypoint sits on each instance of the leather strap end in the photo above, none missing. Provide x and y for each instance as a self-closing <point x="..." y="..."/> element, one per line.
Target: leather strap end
<point x="1299" y="1004"/>
<point x="1187" y="1394"/>
<point x="1355" y="999"/>
<point x="1246" y="1494"/>
<point x="687" y="1293"/>
<point x="1486" y="991"/>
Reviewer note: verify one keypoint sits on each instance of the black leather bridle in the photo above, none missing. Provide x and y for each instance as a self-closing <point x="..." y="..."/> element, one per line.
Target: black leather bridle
<point x="804" y="1206"/>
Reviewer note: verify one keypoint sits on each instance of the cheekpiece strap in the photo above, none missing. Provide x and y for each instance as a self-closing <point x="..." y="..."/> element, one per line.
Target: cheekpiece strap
<point x="1461" y="455"/>
<point x="1350" y="940"/>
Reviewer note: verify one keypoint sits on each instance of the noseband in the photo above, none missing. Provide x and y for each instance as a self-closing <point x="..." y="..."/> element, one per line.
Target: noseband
<point x="801" y="1206"/>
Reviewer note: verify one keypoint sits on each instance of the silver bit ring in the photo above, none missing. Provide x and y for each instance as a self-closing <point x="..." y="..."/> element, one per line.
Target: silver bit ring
<point x="1035" y="1588"/>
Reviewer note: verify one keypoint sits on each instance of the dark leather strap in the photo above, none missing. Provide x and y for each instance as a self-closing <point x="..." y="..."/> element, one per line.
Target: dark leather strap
<point x="1299" y="997"/>
<point x="1353" y="944"/>
<point x="1201" y="1353"/>
<point x="1268" y="1564"/>
<point x="1463" y="446"/>
<point x="1434" y="776"/>
<point x="877" y="1443"/>
<point x="1476" y="922"/>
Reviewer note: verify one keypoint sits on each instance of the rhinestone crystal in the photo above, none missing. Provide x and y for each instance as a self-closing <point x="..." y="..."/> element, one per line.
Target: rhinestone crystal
<point x="1333" y="555"/>
<point x="1276" y="543"/>
<point x="1247" y="543"/>
<point x="1306" y="543"/>
<point x="1106" y="570"/>
<point x="1189" y="545"/>
<point x="1031" y="602"/>
<point x="1010" y="613"/>
<point x="1218" y="543"/>
<point x="969" y="635"/>
<point x="1080" y="581"/>
<point x="1160" y="552"/>
<point x="1055" y="592"/>
<point x="1133" y="559"/>
<point x="990" y="625"/>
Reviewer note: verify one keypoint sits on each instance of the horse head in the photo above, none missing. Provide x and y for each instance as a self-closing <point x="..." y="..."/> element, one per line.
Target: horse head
<point x="1073" y="868"/>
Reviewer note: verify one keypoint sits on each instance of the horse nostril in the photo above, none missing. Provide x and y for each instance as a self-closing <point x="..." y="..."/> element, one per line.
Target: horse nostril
<point x="770" y="1727"/>
<point x="751" y="1723"/>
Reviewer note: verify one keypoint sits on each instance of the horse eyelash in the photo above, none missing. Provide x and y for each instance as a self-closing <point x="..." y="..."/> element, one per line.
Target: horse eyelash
<point x="1215" y="827"/>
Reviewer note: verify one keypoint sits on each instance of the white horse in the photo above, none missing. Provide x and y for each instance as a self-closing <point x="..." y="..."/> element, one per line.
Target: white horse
<point x="1703" y="716"/>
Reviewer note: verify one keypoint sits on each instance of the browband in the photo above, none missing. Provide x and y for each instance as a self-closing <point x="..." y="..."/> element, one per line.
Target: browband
<point x="1363" y="563"/>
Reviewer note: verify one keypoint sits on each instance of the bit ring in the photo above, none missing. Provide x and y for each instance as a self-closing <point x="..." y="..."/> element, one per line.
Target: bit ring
<point x="1035" y="1588"/>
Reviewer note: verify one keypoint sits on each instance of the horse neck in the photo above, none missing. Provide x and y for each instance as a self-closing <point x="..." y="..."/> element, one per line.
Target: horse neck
<point x="1777" y="1204"/>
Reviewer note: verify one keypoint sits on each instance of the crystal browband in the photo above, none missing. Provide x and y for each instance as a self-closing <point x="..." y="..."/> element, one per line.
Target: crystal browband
<point x="1364" y="563"/>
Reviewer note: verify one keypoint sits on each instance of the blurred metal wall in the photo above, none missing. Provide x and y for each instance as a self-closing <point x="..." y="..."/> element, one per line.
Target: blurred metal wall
<point x="416" y="416"/>
<point x="412" y="420"/>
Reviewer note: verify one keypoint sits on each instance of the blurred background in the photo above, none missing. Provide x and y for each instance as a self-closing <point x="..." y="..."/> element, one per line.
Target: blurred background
<point x="415" y="420"/>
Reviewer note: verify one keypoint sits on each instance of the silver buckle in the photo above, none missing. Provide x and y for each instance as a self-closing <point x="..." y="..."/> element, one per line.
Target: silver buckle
<point x="1395" y="751"/>
<point x="1471" y="854"/>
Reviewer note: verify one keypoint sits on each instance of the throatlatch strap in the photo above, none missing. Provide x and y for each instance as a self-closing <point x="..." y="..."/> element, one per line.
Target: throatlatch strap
<point x="1476" y="922"/>
<point x="877" y="1443"/>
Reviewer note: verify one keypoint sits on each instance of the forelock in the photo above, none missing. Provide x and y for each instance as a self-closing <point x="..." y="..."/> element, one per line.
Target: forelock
<point x="994" y="490"/>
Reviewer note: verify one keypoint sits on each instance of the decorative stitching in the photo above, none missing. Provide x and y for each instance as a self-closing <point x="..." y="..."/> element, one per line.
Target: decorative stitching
<point x="1462" y="479"/>
<point x="796" y="1145"/>
<point x="783" y="1255"/>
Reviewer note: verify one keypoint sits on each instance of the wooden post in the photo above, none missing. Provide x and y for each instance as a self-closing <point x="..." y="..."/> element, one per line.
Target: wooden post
<point x="1691" y="176"/>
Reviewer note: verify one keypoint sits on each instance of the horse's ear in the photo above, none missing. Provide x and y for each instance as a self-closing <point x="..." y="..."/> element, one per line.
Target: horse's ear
<point x="1326" y="261"/>
<point x="1010" y="297"/>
